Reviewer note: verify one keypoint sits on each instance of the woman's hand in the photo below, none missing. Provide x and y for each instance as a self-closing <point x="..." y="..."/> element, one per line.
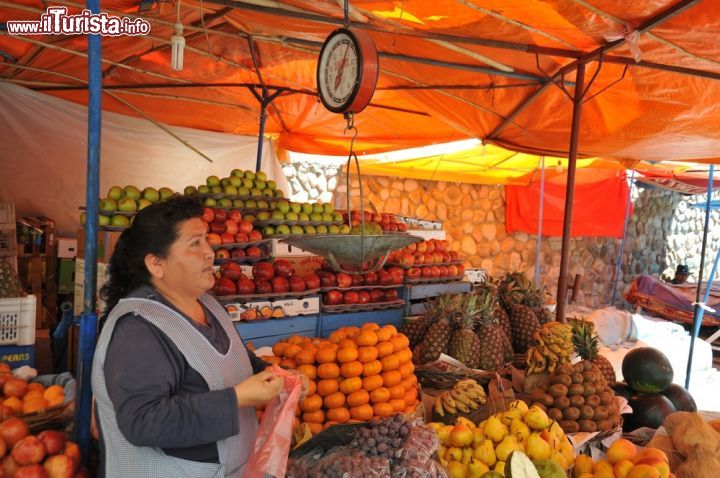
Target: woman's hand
<point x="304" y="381"/>
<point x="258" y="389"/>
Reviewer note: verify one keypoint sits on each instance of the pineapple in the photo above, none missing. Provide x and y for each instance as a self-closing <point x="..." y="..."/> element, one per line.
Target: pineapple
<point x="436" y="341"/>
<point x="524" y="323"/>
<point x="503" y="319"/>
<point x="543" y="315"/>
<point x="465" y="345"/>
<point x="9" y="283"/>
<point x="442" y="306"/>
<point x="585" y="341"/>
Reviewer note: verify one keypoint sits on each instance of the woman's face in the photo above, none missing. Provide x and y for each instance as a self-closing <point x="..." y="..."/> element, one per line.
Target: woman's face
<point x="187" y="268"/>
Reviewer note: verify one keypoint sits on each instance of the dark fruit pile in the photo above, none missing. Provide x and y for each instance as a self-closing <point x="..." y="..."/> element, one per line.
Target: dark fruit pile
<point x="345" y="463"/>
<point x="383" y="437"/>
<point x="579" y="399"/>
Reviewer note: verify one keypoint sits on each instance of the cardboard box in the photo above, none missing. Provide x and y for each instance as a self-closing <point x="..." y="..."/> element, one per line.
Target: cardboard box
<point x="282" y="308"/>
<point x="66" y="247"/>
<point x="281" y="249"/>
<point x="476" y="275"/>
<point x="79" y="298"/>
<point x="105" y="246"/>
<point x="18" y="355"/>
<point x="303" y="265"/>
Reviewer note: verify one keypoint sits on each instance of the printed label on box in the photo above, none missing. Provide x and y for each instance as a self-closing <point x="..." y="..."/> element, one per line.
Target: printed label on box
<point x="273" y="310"/>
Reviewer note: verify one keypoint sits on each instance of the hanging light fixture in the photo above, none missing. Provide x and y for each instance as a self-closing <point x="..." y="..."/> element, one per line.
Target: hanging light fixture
<point x="178" y="44"/>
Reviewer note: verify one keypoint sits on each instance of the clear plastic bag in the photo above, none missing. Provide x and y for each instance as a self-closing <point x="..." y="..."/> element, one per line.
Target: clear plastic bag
<point x="339" y="462"/>
<point x="274" y="436"/>
<point x="420" y="445"/>
<point x="414" y="468"/>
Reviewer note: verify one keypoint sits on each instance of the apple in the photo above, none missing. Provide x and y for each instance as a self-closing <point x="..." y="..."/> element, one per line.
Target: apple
<point x="437" y="257"/>
<point x="246" y="286"/>
<point x="117" y="220"/>
<point x="245" y="226"/>
<point x="434" y="271"/>
<point x="421" y="247"/>
<point x="297" y="284"/>
<point x="283" y="268"/>
<point x="254" y="235"/>
<point x="384" y="278"/>
<point x="413" y="273"/>
<point x="253" y="251"/>
<point x="13" y="430"/>
<point x="452" y="270"/>
<point x="406" y="259"/>
<point x="327" y="279"/>
<point x="426" y="272"/>
<point x="9" y="467"/>
<point x="370" y="278"/>
<point x="440" y="246"/>
<point x="241" y="237"/>
<point x="312" y="281"/>
<point x="460" y="270"/>
<point x="343" y="280"/>
<point x="454" y="256"/>
<point x="376" y="295"/>
<point x="225" y="287"/>
<point x="390" y="294"/>
<point x="280" y="285"/>
<point x="357" y="280"/>
<point x="108" y="205"/>
<point x="214" y="239"/>
<point x="445" y="257"/>
<point x="363" y="297"/>
<point x="203" y="189"/>
<point x="234" y="215"/>
<point x="429" y="257"/>
<point x="231" y="270"/>
<point x="263" y="270"/>
<point x="131" y="192"/>
<point x="419" y="259"/>
<point x="443" y="271"/>
<point x="59" y="466"/>
<point x="115" y="192"/>
<point x="217" y="227"/>
<point x="220" y="215"/>
<point x="73" y="451"/>
<point x="350" y="297"/>
<point x="208" y="215"/>
<point x="237" y="253"/>
<point x="209" y="202"/>
<point x="31" y="471"/>
<point x="398" y="274"/>
<point x="127" y="205"/>
<point x="263" y="286"/>
<point x="430" y="246"/>
<point x="333" y="297"/>
<point x="28" y="451"/>
<point x="227" y="238"/>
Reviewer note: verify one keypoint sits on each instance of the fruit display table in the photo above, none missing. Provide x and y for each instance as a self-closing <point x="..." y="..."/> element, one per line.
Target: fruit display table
<point x="416" y="295"/>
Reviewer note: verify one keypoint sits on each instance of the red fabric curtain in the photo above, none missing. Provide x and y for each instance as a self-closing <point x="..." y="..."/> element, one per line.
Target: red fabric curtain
<point x="598" y="208"/>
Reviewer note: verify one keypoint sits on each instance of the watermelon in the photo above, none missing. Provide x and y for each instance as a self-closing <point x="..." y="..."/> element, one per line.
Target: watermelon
<point x="649" y="410"/>
<point x="680" y="398"/>
<point x="622" y="389"/>
<point x="647" y="370"/>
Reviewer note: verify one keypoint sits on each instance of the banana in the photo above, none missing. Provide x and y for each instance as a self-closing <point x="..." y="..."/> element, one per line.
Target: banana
<point x="462" y="407"/>
<point x="438" y="407"/>
<point x="459" y="397"/>
<point x="449" y="403"/>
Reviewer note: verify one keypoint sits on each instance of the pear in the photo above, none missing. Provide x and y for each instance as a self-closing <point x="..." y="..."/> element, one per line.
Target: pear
<point x="520" y="405"/>
<point x="485" y="452"/>
<point x="478" y="437"/>
<point x="537" y="448"/>
<point x="461" y="436"/>
<point x="456" y="470"/>
<point x="477" y="468"/>
<point x="519" y="430"/>
<point x="560" y="459"/>
<point x="466" y="422"/>
<point x="548" y="469"/>
<point x="492" y="474"/>
<point x="568" y="451"/>
<point x="537" y="419"/>
<point x="466" y="455"/>
<point x="507" y="446"/>
<point x="500" y="468"/>
<point x="443" y="434"/>
<point x="495" y="429"/>
<point x="454" y="454"/>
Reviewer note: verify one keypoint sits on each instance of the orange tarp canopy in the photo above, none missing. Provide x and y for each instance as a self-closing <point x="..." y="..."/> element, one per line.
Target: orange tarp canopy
<point x="450" y="70"/>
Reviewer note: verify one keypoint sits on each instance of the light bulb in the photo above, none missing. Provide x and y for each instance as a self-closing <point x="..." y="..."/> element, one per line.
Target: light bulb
<point x="178" y="48"/>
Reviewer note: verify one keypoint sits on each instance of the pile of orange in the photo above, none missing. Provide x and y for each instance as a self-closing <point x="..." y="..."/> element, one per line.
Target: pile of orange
<point x="20" y="397"/>
<point x="356" y="374"/>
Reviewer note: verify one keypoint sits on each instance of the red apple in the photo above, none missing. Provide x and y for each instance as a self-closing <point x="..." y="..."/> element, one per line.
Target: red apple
<point x="28" y="451"/>
<point x="208" y="215"/>
<point x="392" y="227"/>
<point x="429" y="257"/>
<point x="234" y="216"/>
<point x="245" y="226"/>
<point x="343" y="280"/>
<point x="9" y="467"/>
<point x="370" y="278"/>
<point x="437" y="257"/>
<point x="231" y="270"/>
<point x="421" y="247"/>
<point x="398" y="274"/>
<point x="440" y="246"/>
<point x="368" y="216"/>
<point x="356" y="217"/>
<point x="222" y="255"/>
<point x="377" y="217"/>
<point x="231" y="227"/>
<point x="254" y="235"/>
<point x="241" y="237"/>
<point x="363" y="297"/>
<point x="454" y="256"/>
<point x="237" y="253"/>
<point x="393" y="218"/>
<point x="411" y="248"/>
<point x="220" y="215"/>
<point x="263" y="286"/>
<point x="253" y="251"/>
<point x="350" y="297"/>
<point x="217" y="227"/>
<point x="401" y="227"/>
<point x="460" y="270"/>
<point x="419" y="259"/>
<point x="31" y="471"/>
<point x="407" y="259"/>
<point x="280" y="285"/>
<point x="376" y="295"/>
<point x="225" y="287"/>
<point x="443" y="271"/>
<point x="426" y="271"/>
<point x="452" y="270"/>
<point x="283" y="268"/>
<point x="227" y="238"/>
<point x="333" y="297"/>
<point x="297" y="284"/>
<point x="73" y="451"/>
<point x="59" y="466"/>
<point x="245" y="286"/>
<point x="312" y="281"/>
<point x="357" y="280"/>
<point x="327" y="279"/>
<point x="384" y="278"/>
<point x="434" y="271"/>
<point x="263" y="270"/>
<point x="214" y="239"/>
<point x="390" y="294"/>
<point x="445" y="256"/>
<point x="430" y="246"/>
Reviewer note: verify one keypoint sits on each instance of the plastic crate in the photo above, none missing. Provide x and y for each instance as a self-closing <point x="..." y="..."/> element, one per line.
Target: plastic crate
<point x="17" y="321"/>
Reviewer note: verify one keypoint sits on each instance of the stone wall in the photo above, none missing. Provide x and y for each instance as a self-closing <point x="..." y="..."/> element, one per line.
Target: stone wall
<point x="663" y="232"/>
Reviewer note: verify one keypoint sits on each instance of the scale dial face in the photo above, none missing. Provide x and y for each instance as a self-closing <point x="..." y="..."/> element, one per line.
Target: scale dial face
<point x="344" y="74"/>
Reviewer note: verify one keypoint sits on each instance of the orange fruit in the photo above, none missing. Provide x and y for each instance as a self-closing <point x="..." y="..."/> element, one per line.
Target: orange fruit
<point x="398" y="404"/>
<point x="352" y="332"/>
<point x="369" y="326"/>
<point x="305" y="357"/>
<point x="334" y="400"/>
<point x="337" y="336"/>
<point x="34" y="405"/>
<point x="347" y="344"/>
<point x="5" y="368"/>
<point x="384" y="334"/>
<point x="350" y="385"/>
<point x="391" y="378"/>
<point x="311" y="403"/>
<point x="351" y="369"/>
<point x="14" y="403"/>
<point x="296" y="339"/>
<point x="383" y="409"/>
<point x="279" y="348"/>
<point x="32" y="394"/>
<point x="384" y="349"/>
<point x="362" y="412"/>
<point x="312" y="388"/>
<point x="410" y="396"/>
<point x="367" y="354"/>
<point x="326" y="355"/>
<point x="308" y="370"/>
<point x="391" y="329"/>
<point x="400" y="341"/>
<point x="404" y="356"/>
<point x="380" y="395"/>
<point x="406" y="369"/>
<point x="328" y="370"/>
<point x="15" y="387"/>
<point x="36" y="387"/>
<point x="57" y="400"/>
<point x="372" y="368"/>
<point x="347" y="354"/>
<point x="409" y="382"/>
<point x="327" y="425"/>
<point x="367" y="337"/>
<point x="338" y="414"/>
<point x="286" y="363"/>
<point x="390" y="362"/>
<point x="372" y="382"/>
<point x="361" y="397"/>
<point x="315" y="428"/>
<point x="327" y="387"/>
<point x="291" y="351"/>
<point x="398" y="391"/>
<point x="318" y="416"/>
<point x="298" y="412"/>
<point x="272" y="360"/>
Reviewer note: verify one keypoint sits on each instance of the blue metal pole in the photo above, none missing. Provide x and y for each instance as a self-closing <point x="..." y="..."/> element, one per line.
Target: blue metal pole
<point x="261" y="134"/>
<point x="88" y="320"/>
<point x="622" y="243"/>
<point x="540" y="220"/>
<point x="699" y="311"/>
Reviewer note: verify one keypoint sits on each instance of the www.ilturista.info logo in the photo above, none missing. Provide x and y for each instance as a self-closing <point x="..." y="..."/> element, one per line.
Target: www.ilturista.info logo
<point x="56" y="21"/>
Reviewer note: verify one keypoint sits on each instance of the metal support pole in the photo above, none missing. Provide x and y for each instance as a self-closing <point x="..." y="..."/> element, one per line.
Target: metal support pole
<point x="88" y="319"/>
<point x="570" y="191"/>
<point x="261" y="134"/>
<point x="622" y="243"/>
<point x="540" y="220"/>
<point x="699" y="311"/>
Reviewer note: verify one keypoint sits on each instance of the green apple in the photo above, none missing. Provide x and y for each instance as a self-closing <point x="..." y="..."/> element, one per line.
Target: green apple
<point x="272" y="185"/>
<point x="235" y="181"/>
<point x="143" y="203"/>
<point x="333" y="229"/>
<point x="316" y="217"/>
<point x="309" y="229"/>
<point x="243" y="191"/>
<point x="108" y="205"/>
<point x="263" y="216"/>
<point x="261" y="176"/>
<point x="115" y="192"/>
<point x="248" y="174"/>
<point x="262" y="204"/>
<point x="282" y="206"/>
<point x="224" y="182"/>
<point x="250" y="204"/>
<point x="209" y="202"/>
<point x="259" y="184"/>
<point x="321" y="229"/>
<point x="212" y="181"/>
<point x="307" y="208"/>
<point x="165" y="193"/>
<point x="127" y="205"/>
<point x="328" y="207"/>
<point x="268" y="192"/>
<point x="103" y="220"/>
<point x="216" y="189"/>
<point x="248" y="183"/>
<point x="203" y="189"/>
<point x="256" y="192"/>
<point x="238" y="203"/>
<point x="279" y="193"/>
<point x="225" y="202"/>
<point x="327" y="217"/>
<point x="295" y="207"/>
<point x="190" y="190"/>
<point x="268" y="231"/>
<point x="238" y="173"/>
<point x="296" y="230"/>
<point x="278" y="215"/>
<point x="344" y="229"/>
<point x="131" y="192"/>
<point x="282" y="229"/>
<point x="248" y="218"/>
<point x="291" y="216"/>
<point x="231" y="190"/>
<point x="318" y="207"/>
<point x="337" y="217"/>
<point x="303" y="217"/>
<point x="120" y="221"/>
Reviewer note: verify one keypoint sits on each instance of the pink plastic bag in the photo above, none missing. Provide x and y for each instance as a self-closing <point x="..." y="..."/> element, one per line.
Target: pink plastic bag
<point x="273" y="438"/>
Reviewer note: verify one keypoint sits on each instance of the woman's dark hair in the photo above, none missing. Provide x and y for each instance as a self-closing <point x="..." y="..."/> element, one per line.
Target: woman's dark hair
<point x="153" y="231"/>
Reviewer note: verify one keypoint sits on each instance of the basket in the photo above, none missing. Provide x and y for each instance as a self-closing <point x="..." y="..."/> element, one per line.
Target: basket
<point x="58" y="416"/>
<point x="17" y="320"/>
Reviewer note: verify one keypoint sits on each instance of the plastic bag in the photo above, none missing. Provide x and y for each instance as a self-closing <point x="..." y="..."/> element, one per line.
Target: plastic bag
<point x="274" y="436"/>
<point x="412" y="468"/>
<point x="339" y="462"/>
<point x="420" y="445"/>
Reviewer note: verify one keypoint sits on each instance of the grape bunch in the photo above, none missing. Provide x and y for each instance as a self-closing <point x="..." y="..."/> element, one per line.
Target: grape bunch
<point x="383" y="437"/>
<point x="350" y="463"/>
